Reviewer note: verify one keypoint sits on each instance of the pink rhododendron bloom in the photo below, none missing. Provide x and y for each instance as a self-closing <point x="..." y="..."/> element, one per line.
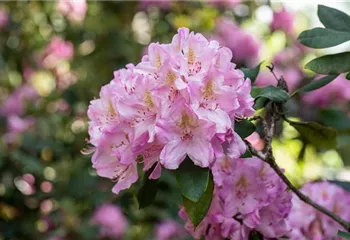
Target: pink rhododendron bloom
<point x="111" y="221"/>
<point x="169" y="230"/>
<point x="74" y="10"/>
<point x="19" y="125"/>
<point x="180" y="100"/>
<point x="57" y="50"/>
<point x="4" y="19"/>
<point x="251" y="197"/>
<point x="308" y="223"/>
<point x="283" y="20"/>
<point x="335" y="93"/>
<point x="244" y="46"/>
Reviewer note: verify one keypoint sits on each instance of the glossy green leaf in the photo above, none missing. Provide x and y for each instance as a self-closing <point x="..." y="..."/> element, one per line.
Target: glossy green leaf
<point x="251" y="73"/>
<point x="315" y="84"/>
<point x="244" y="128"/>
<point x="273" y="93"/>
<point x="320" y="136"/>
<point x="333" y="19"/>
<point x="260" y="103"/>
<point x="148" y="191"/>
<point x="348" y="76"/>
<point x="196" y="211"/>
<point x="247" y="154"/>
<point x="331" y="64"/>
<point x="335" y="118"/>
<point x="254" y="235"/>
<point x="343" y="234"/>
<point x="323" y="37"/>
<point x="192" y="179"/>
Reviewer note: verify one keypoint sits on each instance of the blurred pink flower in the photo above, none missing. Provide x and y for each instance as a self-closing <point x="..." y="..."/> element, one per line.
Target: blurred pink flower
<point x="335" y="93"/>
<point x="162" y="4"/>
<point x="169" y="230"/>
<point x="4" y="19"/>
<point x="19" y="125"/>
<point x="244" y="46"/>
<point x="256" y="141"/>
<point x="74" y="10"/>
<point x="57" y="50"/>
<point x="283" y="20"/>
<point x="224" y="3"/>
<point x="308" y="223"/>
<point x="111" y="221"/>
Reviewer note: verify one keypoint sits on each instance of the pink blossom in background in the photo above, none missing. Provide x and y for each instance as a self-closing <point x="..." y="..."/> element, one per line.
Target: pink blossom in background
<point x="57" y="50"/>
<point x="244" y="46"/>
<point x="169" y="230"/>
<point x="19" y="125"/>
<point x="256" y="141"/>
<point x="181" y="99"/>
<point x="308" y="223"/>
<point x="162" y="4"/>
<point x="15" y="103"/>
<point x="4" y="19"/>
<point x="283" y="20"/>
<point x="224" y="3"/>
<point x="335" y="93"/>
<point x="252" y="197"/>
<point x="111" y="221"/>
<point x="74" y="10"/>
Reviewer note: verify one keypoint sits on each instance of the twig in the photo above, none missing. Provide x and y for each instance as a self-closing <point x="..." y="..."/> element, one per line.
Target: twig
<point x="269" y="123"/>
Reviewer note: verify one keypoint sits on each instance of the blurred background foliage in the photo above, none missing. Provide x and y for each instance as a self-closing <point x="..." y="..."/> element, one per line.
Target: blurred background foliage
<point x="48" y="189"/>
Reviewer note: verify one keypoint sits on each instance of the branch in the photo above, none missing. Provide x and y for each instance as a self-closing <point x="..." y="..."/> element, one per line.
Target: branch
<point x="269" y="127"/>
<point x="271" y="161"/>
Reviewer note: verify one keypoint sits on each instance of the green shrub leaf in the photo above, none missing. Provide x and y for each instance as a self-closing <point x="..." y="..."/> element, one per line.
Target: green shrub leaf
<point x="331" y="64"/>
<point x="323" y="37"/>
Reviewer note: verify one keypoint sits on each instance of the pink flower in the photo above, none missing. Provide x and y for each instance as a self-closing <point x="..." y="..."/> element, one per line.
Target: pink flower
<point x="57" y="50"/>
<point x="244" y="46"/>
<point x="111" y="221"/>
<point x="224" y="3"/>
<point x="183" y="133"/>
<point x="252" y="197"/>
<point x="307" y="222"/>
<point x="74" y="10"/>
<point x="335" y="93"/>
<point x="162" y="4"/>
<point x="168" y="230"/>
<point x="181" y="99"/>
<point x="19" y="125"/>
<point x="4" y="19"/>
<point x="283" y="20"/>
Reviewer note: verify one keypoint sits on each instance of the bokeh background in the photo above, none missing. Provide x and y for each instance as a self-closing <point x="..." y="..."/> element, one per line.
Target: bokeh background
<point x="55" y="56"/>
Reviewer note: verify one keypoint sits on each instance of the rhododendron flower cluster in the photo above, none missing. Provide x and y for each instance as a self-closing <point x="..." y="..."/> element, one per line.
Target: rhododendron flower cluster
<point x="250" y="196"/>
<point x="111" y="221"/>
<point x="4" y="19"/>
<point x="309" y="223"/>
<point x="181" y="100"/>
<point x="75" y="10"/>
<point x="283" y="20"/>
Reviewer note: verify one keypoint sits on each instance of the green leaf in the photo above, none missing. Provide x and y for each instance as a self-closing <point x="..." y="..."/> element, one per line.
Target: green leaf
<point x="247" y="154"/>
<point x="315" y="84"/>
<point x="348" y="76"/>
<point x="244" y="128"/>
<point x="254" y="235"/>
<point x="323" y="37"/>
<point x="255" y="91"/>
<point x="192" y="179"/>
<point x="196" y="211"/>
<point x="335" y="118"/>
<point x="344" y="185"/>
<point x="333" y="18"/>
<point x="343" y="234"/>
<point x="251" y="73"/>
<point x="331" y="64"/>
<point x="148" y="191"/>
<point x="320" y="136"/>
<point x="260" y="103"/>
<point x="273" y="93"/>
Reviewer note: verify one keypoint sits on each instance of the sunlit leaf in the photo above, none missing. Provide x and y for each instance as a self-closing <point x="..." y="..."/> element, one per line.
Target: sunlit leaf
<point x="331" y="64"/>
